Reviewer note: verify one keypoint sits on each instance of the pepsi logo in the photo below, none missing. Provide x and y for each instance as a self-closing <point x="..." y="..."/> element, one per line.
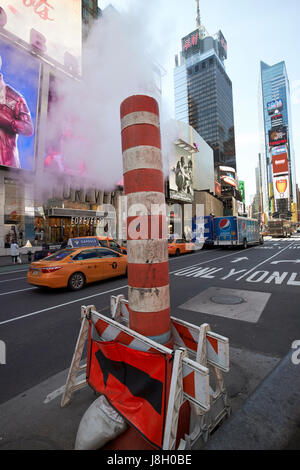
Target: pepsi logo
<point x="224" y="223"/>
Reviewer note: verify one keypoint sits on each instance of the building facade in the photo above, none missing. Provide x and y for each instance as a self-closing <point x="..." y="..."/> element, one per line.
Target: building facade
<point x="28" y="209"/>
<point x="277" y="146"/>
<point x="203" y="93"/>
<point x="190" y="187"/>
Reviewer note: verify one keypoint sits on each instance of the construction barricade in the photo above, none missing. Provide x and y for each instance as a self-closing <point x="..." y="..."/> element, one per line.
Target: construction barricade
<point x="146" y="382"/>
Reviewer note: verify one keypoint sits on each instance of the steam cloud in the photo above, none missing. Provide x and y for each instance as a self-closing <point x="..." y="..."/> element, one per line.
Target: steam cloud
<point x="117" y="63"/>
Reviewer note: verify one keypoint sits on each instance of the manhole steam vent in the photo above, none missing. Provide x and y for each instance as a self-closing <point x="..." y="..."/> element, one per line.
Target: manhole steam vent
<point x="227" y="299"/>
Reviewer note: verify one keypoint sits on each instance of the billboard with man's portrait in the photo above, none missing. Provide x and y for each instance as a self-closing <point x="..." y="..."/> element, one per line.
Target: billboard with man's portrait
<point x="19" y="88"/>
<point x="181" y="176"/>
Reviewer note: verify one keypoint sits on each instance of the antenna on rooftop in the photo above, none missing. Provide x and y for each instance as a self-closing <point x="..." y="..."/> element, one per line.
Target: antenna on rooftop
<point x="202" y="31"/>
<point x="198" y="19"/>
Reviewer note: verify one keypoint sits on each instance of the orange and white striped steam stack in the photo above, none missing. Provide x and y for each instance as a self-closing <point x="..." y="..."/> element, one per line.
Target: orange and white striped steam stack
<point x="147" y="245"/>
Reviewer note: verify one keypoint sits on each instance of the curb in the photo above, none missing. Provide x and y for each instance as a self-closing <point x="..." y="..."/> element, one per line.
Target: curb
<point x="270" y="418"/>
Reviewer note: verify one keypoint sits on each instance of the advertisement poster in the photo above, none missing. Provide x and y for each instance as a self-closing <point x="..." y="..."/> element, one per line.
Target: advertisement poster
<point x="19" y="86"/>
<point x="280" y="164"/>
<point x="181" y="176"/>
<point x="275" y="105"/>
<point x="281" y="187"/>
<point x="227" y="175"/>
<point x="242" y="190"/>
<point x="58" y="21"/>
<point x="277" y="136"/>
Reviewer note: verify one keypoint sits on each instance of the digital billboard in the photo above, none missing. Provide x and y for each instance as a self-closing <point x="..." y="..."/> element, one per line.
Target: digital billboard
<point x="279" y="150"/>
<point x="191" y="43"/>
<point x="281" y="187"/>
<point x="276" y="120"/>
<point x="274" y="105"/>
<point x="19" y="87"/>
<point x="181" y="176"/>
<point x="242" y="190"/>
<point x="53" y="26"/>
<point x="278" y="136"/>
<point x="280" y="164"/>
<point x="222" y="45"/>
<point x="227" y="175"/>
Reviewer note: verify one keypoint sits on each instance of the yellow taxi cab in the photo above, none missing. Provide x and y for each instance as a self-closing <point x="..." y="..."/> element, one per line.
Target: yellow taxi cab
<point x="179" y="246"/>
<point x="75" y="267"/>
<point x="95" y="240"/>
<point x="109" y="242"/>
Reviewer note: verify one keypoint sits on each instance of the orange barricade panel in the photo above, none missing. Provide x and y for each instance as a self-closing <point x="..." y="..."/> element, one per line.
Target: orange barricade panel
<point x="134" y="382"/>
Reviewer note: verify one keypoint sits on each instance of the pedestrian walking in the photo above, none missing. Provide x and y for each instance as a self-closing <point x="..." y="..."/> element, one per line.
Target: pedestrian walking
<point x="14" y="251"/>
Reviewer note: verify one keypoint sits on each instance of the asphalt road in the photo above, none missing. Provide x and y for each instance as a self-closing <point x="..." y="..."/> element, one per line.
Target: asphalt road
<point x="251" y="296"/>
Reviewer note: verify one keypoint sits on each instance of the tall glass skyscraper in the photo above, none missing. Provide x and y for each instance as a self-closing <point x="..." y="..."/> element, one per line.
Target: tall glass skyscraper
<point x="203" y="93"/>
<point x="275" y="114"/>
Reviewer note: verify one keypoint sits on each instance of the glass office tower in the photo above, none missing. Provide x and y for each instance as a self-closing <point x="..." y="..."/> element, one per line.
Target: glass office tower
<point x="274" y="104"/>
<point x="203" y="93"/>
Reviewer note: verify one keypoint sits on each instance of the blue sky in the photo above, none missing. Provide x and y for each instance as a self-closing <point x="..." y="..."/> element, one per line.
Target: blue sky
<point x="255" y="30"/>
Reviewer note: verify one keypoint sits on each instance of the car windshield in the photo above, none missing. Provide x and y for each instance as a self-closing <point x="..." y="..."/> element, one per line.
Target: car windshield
<point x="114" y="244"/>
<point x="59" y="255"/>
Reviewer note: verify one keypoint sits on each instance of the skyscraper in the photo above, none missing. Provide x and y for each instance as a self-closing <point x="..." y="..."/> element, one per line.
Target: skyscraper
<point x="90" y="12"/>
<point x="203" y="92"/>
<point x="277" y="138"/>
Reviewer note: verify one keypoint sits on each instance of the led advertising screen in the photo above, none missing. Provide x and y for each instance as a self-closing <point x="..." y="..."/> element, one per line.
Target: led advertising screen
<point x="19" y="86"/>
<point x="227" y="175"/>
<point x="274" y="105"/>
<point x="276" y="120"/>
<point x="191" y="43"/>
<point x="279" y="150"/>
<point x="280" y="164"/>
<point x="54" y="26"/>
<point x="181" y="176"/>
<point x="277" y="136"/>
<point x="281" y="187"/>
<point x="222" y="45"/>
<point x="242" y="190"/>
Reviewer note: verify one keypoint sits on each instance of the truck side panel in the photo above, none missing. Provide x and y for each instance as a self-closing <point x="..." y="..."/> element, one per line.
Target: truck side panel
<point x="225" y="230"/>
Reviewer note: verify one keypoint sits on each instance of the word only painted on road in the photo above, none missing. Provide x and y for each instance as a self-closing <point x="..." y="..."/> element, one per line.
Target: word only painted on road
<point x="266" y="277"/>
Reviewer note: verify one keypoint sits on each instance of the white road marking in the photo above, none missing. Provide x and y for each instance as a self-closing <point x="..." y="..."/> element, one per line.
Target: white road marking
<point x="263" y="262"/>
<point x="239" y="259"/>
<point x="297" y="261"/>
<point x="208" y="261"/>
<point x="14" y="279"/>
<point x="15" y="291"/>
<point x="60" y="305"/>
<point x="16" y="271"/>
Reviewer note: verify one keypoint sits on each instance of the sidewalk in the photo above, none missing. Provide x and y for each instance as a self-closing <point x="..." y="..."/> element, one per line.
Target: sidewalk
<point x="34" y="419"/>
<point x="6" y="261"/>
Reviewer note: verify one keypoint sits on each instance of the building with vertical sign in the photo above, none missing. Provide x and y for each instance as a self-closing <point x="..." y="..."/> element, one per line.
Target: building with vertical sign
<point x="277" y="138"/>
<point x="203" y="99"/>
<point x="203" y="93"/>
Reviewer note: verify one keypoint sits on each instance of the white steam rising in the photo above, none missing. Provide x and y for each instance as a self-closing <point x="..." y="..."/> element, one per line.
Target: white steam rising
<point x="117" y="63"/>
